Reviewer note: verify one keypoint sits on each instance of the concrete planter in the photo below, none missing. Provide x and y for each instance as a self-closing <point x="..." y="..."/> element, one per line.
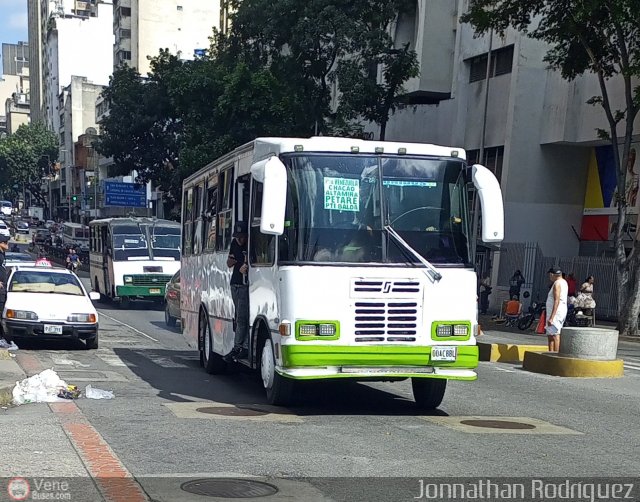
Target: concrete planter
<point x="597" y="344"/>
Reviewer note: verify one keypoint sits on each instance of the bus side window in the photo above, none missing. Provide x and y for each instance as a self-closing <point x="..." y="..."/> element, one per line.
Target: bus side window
<point x="197" y="219"/>
<point x="187" y="201"/>
<point x="225" y="209"/>
<point x="262" y="246"/>
<point x="211" y="215"/>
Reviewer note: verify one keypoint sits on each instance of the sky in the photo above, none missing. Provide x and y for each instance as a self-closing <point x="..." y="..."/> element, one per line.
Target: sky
<point x="13" y="21"/>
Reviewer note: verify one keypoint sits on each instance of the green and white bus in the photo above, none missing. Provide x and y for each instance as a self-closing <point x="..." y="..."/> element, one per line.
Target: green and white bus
<point x="133" y="258"/>
<point x="359" y="255"/>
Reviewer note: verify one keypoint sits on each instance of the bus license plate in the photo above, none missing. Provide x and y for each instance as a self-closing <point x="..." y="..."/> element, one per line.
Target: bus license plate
<point x="444" y="353"/>
<point x="51" y="329"/>
<point x="155" y="291"/>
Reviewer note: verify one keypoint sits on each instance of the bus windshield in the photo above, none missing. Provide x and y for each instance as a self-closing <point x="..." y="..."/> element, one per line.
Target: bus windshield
<point x="165" y="241"/>
<point x="129" y="241"/>
<point x="338" y="206"/>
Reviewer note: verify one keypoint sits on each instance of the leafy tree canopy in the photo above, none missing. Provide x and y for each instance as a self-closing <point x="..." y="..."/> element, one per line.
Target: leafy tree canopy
<point x="601" y="38"/>
<point x="26" y="157"/>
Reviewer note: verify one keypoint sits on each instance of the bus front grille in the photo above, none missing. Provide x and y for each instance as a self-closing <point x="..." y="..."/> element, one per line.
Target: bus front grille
<point x="150" y="280"/>
<point x="391" y="321"/>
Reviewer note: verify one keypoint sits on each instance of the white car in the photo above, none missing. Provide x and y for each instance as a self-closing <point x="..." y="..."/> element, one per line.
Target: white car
<point x="49" y="303"/>
<point x="4" y="229"/>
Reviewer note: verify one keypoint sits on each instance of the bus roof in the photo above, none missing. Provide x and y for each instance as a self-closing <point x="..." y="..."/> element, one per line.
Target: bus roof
<point x="134" y="221"/>
<point x="262" y="148"/>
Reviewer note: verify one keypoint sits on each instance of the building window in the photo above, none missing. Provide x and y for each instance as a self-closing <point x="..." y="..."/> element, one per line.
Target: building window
<point x="179" y="7"/>
<point x="123" y="56"/>
<point x="62" y="138"/>
<point x="501" y="64"/>
<point x="125" y="33"/>
<point x="125" y="11"/>
<point x="492" y="160"/>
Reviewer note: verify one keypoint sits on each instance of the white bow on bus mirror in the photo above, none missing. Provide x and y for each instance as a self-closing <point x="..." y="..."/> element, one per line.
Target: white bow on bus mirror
<point x="490" y="196"/>
<point x="272" y="174"/>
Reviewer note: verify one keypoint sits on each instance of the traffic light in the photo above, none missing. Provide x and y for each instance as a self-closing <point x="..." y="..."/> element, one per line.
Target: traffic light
<point x="74" y="198"/>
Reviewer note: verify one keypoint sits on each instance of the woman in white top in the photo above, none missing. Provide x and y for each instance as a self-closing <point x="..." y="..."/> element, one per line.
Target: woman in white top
<point x="556" y="308"/>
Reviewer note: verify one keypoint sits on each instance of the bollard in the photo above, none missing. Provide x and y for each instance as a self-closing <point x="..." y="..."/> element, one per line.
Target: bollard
<point x="599" y="344"/>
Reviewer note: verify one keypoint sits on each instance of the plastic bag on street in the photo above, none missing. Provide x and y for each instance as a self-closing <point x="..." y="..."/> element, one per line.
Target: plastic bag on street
<point x="40" y="388"/>
<point x="92" y="393"/>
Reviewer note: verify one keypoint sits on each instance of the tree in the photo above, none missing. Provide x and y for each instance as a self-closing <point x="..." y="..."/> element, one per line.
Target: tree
<point x="313" y="44"/>
<point x="26" y="157"/>
<point x="142" y="130"/>
<point x="361" y="92"/>
<point x="589" y="36"/>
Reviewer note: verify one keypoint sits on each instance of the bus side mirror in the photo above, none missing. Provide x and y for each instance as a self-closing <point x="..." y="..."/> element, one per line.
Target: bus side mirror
<point x="272" y="174"/>
<point x="490" y="196"/>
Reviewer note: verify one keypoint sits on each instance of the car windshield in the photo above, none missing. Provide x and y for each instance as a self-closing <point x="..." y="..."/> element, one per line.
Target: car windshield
<point x="27" y="281"/>
<point x="338" y="206"/>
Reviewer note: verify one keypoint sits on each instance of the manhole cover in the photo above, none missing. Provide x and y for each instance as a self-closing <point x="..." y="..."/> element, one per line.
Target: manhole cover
<point x="497" y="424"/>
<point x="231" y="411"/>
<point x="229" y="488"/>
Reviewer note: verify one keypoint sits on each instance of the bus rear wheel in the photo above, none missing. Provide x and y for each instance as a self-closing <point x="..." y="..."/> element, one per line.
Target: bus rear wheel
<point x="428" y="392"/>
<point x="279" y="389"/>
<point x="212" y="362"/>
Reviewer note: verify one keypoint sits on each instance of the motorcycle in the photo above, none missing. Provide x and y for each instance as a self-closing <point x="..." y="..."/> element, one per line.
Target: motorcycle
<point x="73" y="266"/>
<point x="535" y="311"/>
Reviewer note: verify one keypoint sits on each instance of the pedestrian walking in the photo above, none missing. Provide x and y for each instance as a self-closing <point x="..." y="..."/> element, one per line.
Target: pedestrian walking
<point x="4" y="246"/>
<point x="556" y="308"/>
<point x="485" y="291"/>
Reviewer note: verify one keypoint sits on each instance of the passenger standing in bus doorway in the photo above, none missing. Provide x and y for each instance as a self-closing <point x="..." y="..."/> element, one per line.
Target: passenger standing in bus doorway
<point x="239" y="291"/>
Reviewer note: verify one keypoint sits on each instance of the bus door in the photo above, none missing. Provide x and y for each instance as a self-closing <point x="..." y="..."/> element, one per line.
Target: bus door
<point x="262" y="265"/>
<point x="107" y="254"/>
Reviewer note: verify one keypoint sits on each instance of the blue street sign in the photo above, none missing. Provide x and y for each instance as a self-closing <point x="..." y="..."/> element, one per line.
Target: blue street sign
<point x="200" y="52"/>
<point x="125" y="194"/>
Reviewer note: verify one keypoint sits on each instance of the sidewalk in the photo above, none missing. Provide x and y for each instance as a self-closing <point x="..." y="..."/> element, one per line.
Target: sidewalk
<point x="10" y="373"/>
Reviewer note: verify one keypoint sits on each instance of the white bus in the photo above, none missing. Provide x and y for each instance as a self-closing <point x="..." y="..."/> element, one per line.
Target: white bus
<point x="360" y="261"/>
<point x="75" y="234"/>
<point x="133" y="258"/>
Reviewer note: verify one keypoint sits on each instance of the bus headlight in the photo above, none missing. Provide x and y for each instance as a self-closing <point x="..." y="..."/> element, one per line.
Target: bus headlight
<point x="460" y="330"/>
<point x="444" y="330"/>
<point x="318" y="329"/>
<point x="128" y="278"/>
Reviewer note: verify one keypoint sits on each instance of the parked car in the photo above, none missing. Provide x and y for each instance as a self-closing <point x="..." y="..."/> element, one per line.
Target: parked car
<point x="13" y="259"/>
<point x="49" y="303"/>
<point x="4" y="229"/>
<point x="172" y="300"/>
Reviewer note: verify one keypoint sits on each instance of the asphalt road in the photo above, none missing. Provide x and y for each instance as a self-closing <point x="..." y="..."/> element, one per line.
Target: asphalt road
<point x="340" y="430"/>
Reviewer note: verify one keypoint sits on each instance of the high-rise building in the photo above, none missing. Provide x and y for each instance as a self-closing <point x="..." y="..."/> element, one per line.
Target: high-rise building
<point x="15" y="59"/>
<point x="143" y="27"/>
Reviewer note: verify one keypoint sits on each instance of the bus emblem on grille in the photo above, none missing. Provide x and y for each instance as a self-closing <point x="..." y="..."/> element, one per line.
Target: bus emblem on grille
<point x="387" y="287"/>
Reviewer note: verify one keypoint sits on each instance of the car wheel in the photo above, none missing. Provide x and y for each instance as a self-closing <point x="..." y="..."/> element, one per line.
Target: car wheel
<point x="279" y="389"/>
<point x="428" y="392"/>
<point x="168" y="319"/>
<point x="91" y="343"/>
<point x="125" y="303"/>
<point x="212" y="362"/>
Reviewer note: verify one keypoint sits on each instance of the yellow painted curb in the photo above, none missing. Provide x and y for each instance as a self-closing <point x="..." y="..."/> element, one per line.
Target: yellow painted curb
<point x="4" y="354"/>
<point x="506" y="352"/>
<point x="553" y="364"/>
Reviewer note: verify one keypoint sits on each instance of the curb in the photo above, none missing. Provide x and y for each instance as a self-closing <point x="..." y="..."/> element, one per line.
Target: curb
<point x="553" y="364"/>
<point x="4" y="355"/>
<point x="506" y="352"/>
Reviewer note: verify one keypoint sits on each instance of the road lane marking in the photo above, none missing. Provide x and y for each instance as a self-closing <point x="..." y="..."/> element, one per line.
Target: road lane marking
<point x="128" y="326"/>
<point x="112" y="359"/>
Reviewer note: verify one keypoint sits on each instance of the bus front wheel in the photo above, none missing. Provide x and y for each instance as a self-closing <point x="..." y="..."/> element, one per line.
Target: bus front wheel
<point x="279" y="389"/>
<point x="428" y="392"/>
<point x="212" y="362"/>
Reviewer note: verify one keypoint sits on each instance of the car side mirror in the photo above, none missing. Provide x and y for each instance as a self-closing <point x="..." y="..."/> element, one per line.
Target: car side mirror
<point x="94" y="296"/>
